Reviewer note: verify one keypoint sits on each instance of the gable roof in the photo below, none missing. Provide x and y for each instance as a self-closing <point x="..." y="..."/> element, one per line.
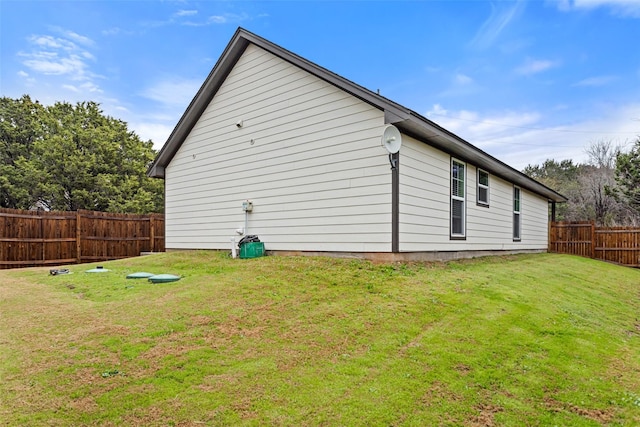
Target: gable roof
<point x="407" y="121"/>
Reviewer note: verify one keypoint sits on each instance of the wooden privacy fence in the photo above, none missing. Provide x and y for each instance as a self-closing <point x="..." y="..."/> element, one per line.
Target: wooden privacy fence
<point x="37" y="238"/>
<point x="620" y="245"/>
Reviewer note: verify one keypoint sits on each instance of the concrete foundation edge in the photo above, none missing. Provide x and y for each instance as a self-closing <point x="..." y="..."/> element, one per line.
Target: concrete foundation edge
<point x="397" y="256"/>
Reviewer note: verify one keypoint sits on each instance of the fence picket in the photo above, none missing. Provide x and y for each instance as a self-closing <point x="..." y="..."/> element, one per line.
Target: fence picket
<point x="619" y="245"/>
<point x="37" y="238"/>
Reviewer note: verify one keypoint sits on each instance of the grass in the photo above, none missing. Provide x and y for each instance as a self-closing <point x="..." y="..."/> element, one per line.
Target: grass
<point x="533" y="340"/>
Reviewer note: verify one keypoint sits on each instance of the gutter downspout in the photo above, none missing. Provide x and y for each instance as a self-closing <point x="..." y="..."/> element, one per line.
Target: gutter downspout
<point x="395" y="202"/>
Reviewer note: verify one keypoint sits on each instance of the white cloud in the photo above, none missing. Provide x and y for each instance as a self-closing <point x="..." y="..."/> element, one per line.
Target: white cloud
<point x="515" y="45"/>
<point x="228" y="18"/>
<point x="51" y="63"/>
<point x="28" y="80"/>
<point x="188" y="18"/>
<point x="595" y="81"/>
<point x="78" y="38"/>
<point x="462" y="79"/>
<point x="115" y="31"/>
<point x="217" y="19"/>
<point x="482" y="127"/>
<point x="496" y="23"/>
<point x="49" y="41"/>
<point x="88" y="55"/>
<point x="90" y="87"/>
<point x="173" y="92"/>
<point x="71" y="88"/>
<point x="156" y="132"/>
<point x="51" y="55"/>
<point x="63" y="64"/>
<point x="186" y="13"/>
<point x="621" y="8"/>
<point x="522" y="138"/>
<point x="534" y="66"/>
<point x="171" y="97"/>
<point x="460" y="85"/>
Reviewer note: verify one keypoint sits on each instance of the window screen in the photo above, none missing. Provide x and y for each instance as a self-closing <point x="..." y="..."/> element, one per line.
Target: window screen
<point x="483" y="187"/>
<point x="516" y="213"/>
<point x="458" y="170"/>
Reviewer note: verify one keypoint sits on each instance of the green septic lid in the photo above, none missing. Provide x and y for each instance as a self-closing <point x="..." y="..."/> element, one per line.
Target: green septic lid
<point x="139" y="275"/>
<point x="163" y="278"/>
<point x="98" y="269"/>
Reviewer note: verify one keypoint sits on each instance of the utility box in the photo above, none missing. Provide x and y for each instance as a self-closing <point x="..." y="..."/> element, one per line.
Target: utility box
<point x="251" y="250"/>
<point x="247" y="206"/>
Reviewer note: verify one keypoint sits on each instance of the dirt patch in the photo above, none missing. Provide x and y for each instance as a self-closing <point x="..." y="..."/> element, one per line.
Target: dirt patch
<point x="486" y="415"/>
<point x="598" y="415"/>
<point x="416" y="342"/>
<point x="243" y="408"/>
<point x="462" y="368"/>
<point x="439" y="392"/>
<point x="84" y="404"/>
<point x="201" y="320"/>
<point x="231" y="329"/>
<point x="214" y="382"/>
<point x="624" y="369"/>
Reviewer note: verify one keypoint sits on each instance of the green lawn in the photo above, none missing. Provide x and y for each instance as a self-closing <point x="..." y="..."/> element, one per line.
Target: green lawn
<point x="532" y="340"/>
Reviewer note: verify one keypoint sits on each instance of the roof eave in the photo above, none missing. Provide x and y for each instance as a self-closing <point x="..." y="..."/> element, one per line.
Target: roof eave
<point x="199" y="103"/>
<point x="406" y="120"/>
<point x="429" y="132"/>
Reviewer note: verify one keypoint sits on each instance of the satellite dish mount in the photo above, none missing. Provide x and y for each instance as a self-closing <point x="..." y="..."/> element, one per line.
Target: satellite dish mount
<point x="392" y="141"/>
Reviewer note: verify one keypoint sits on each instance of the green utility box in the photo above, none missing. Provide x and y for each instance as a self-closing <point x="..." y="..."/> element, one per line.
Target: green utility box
<point x="252" y="250"/>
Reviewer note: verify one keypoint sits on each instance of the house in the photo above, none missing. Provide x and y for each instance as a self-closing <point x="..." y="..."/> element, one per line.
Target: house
<point x="277" y="146"/>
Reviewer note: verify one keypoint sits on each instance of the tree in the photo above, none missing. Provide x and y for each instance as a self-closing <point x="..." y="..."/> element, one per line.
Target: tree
<point x="590" y="187"/>
<point x="596" y="177"/>
<point x="20" y="129"/>
<point x="627" y="176"/>
<point x="69" y="157"/>
<point x="552" y="173"/>
<point x="562" y="177"/>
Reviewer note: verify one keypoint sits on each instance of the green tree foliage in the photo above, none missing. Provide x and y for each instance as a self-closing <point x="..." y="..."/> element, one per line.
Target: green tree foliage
<point x="20" y="130"/>
<point x="69" y="157"/>
<point x="591" y="187"/>
<point x="627" y="176"/>
<point x="561" y="176"/>
<point x="552" y="173"/>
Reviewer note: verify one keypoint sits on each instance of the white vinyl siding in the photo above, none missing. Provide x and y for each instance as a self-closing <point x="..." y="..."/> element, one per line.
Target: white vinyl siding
<point x="458" y="198"/>
<point x="308" y="156"/>
<point x="425" y="196"/>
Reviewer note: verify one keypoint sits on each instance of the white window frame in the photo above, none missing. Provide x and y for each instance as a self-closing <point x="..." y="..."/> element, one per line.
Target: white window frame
<point x="517" y="214"/>
<point x="458" y="198"/>
<point x="482" y="186"/>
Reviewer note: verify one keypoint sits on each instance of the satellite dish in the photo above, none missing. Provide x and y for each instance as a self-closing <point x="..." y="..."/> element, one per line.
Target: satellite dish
<point x="391" y="139"/>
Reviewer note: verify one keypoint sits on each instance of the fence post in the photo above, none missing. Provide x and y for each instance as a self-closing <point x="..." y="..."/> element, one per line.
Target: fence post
<point x="593" y="239"/>
<point x="152" y="233"/>
<point x="78" y="238"/>
<point x="44" y="252"/>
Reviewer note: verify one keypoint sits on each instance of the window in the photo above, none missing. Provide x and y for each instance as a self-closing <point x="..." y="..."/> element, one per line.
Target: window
<point x="516" y="213"/>
<point x="483" y="188"/>
<point x="457" y="199"/>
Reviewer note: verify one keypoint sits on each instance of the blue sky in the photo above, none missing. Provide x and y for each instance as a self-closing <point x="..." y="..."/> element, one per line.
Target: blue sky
<point x="522" y="80"/>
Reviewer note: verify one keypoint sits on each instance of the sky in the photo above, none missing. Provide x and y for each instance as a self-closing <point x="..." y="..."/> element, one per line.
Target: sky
<point x="525" y="81"/>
